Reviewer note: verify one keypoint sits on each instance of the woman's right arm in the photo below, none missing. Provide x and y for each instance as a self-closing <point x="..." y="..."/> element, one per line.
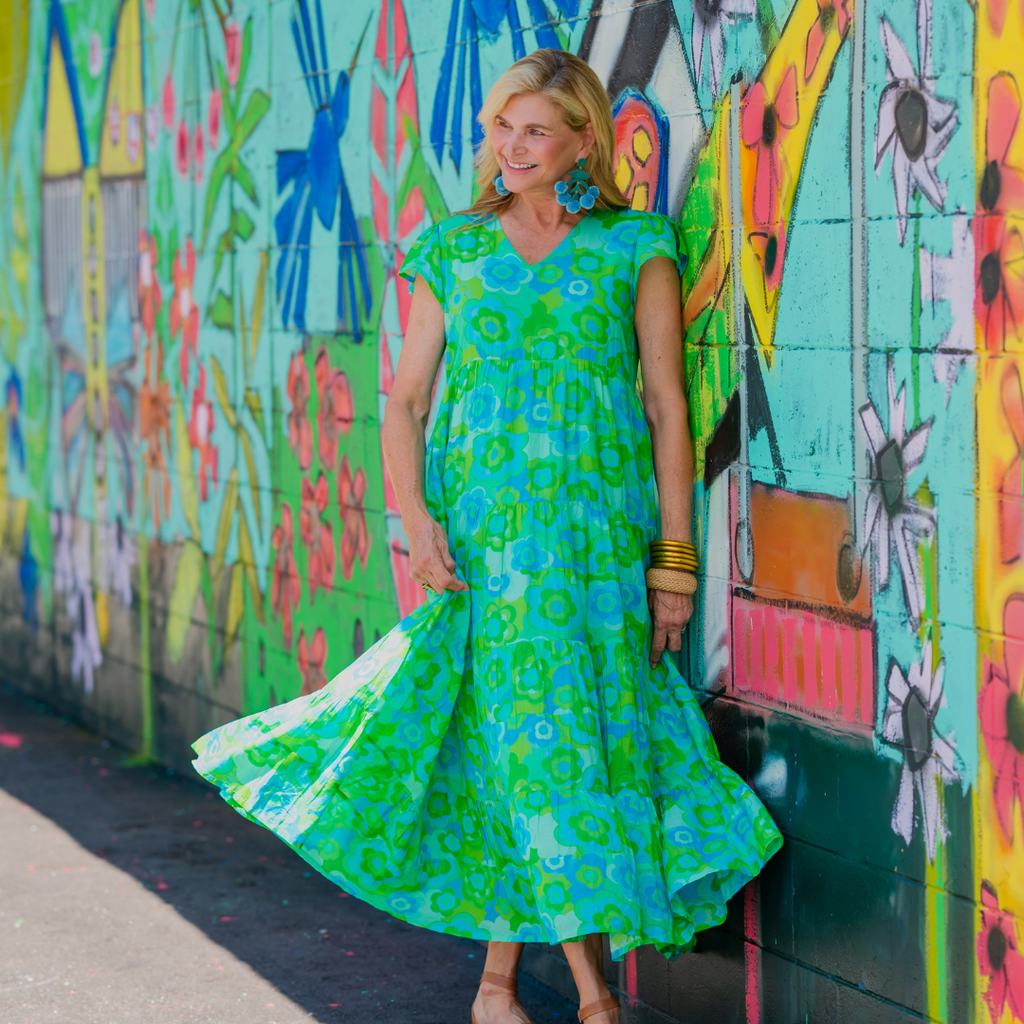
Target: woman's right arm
<point x="402" y="438"/>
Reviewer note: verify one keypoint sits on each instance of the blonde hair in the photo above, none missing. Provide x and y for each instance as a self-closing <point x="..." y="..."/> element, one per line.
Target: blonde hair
<point x="570" y="83"/>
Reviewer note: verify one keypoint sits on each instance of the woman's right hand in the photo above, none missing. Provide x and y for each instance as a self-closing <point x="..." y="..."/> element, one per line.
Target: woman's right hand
<point x="430" y="562"/>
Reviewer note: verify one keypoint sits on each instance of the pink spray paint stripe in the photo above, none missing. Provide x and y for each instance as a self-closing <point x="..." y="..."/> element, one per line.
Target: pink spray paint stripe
<point x="789" y="678"/>
<point x="867" y="678"/>
<point x="756" y="650"/>
<point x="771" y="653"/>
<point x="810" y="663"/>
<point x="631" y="974"/>
<point x="848" y="661"/>
<point x="829" y="697"/>
<point x="740" y="629"/>
<point x="752" y="951"/>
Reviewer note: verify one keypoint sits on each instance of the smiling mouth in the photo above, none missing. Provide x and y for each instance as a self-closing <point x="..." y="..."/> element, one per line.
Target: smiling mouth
<point x="519" y="167"/>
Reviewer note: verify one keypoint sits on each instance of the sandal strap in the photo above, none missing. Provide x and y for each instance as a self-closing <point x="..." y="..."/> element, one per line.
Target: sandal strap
<point x="501" y="981"/>
<point x="608" y="1003"/>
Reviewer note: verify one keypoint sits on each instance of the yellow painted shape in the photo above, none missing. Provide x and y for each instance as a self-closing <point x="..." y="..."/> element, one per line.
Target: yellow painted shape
<point x="13" y="64"/>
<point x="640" y="196"/>
<point x="997" y="861"/>
<point x="122" y="144"/>
<point x="94" y="312"/>
<point x="102" y="618"/>
<point x="642" y="146"/>
<point x="62" y="154"/>
<point x="623" y="174"/>
<point x="762" y="299"/>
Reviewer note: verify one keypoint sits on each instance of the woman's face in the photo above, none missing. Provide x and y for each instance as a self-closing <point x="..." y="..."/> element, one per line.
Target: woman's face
<point x="534" y="146"/>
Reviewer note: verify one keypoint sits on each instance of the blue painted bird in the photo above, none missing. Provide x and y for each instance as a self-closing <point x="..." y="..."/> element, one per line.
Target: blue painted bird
<point x="318" y="184"/>
<point x="486" y="16"/>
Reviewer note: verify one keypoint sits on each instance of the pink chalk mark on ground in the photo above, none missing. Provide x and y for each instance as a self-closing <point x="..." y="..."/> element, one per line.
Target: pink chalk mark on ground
<point x="229" y="918"/>
<point x="631" y="974"/>
<point x="11" y="740"/>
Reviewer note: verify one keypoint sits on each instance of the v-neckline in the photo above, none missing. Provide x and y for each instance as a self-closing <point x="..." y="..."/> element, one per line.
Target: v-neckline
<point x="547" y="255"/>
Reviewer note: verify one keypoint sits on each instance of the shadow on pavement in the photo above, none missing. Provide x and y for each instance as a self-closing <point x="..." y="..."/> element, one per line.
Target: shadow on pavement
<point x="336" y="957"/>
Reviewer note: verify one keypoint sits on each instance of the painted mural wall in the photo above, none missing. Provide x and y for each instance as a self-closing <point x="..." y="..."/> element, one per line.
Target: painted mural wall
<point x="203" y="205"/>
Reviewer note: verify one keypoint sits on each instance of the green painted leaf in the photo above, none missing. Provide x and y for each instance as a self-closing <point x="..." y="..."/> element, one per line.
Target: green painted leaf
<point x="187" y="492"/>
<point x="255" y="404"/>
<point x="417" y="173"/>
<point x="243" y="61"/>
<point x="222" y="312"/>
<point x="257" y="310"/>
<point x="244" y="181"/>
<point x="247" y="558"/>
<point x="236" y="605"/>
<point x="242" y="224"/>
<point x="187" y="576"/>
<point x="250" y="467"/>
<point x="224" y="245"/>
<point x="218" y="176"/>
<point x="255" y="109"/>
<point x="220" y="386"/>
<point x="228" y="105"/>
<point x="227" y="516"/>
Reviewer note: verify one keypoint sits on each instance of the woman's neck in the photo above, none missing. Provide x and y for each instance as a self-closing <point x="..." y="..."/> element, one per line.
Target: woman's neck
<point x="541" y="213"/>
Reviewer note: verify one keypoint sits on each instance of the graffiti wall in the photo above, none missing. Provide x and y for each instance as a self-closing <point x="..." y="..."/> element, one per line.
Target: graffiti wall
<point x="203" y="206"/>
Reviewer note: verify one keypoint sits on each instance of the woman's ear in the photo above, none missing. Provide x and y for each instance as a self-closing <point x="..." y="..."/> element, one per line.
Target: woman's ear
<point x="588" y="140"/>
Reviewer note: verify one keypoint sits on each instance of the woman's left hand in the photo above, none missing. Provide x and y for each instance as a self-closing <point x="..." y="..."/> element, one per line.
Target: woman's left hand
<point x="669" y="615"/>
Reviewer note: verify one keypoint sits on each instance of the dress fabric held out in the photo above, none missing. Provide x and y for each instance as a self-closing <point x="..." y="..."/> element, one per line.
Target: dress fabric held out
<point x="505" y="764"/>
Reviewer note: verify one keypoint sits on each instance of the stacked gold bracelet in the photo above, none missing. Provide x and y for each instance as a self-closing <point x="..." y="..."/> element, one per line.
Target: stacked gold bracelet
<point x="673" y="564"/>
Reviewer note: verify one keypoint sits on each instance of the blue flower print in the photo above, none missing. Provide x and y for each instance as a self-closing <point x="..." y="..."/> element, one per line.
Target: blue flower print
<point x="505" y="274"/>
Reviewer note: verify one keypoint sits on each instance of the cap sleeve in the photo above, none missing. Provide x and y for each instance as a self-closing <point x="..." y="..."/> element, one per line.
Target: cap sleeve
<point x="659" y="236"/>
<point x="425" y="258"/>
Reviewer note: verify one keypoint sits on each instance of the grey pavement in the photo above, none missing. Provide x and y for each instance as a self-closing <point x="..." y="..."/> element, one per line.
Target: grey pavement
<point x="134" y="894"/>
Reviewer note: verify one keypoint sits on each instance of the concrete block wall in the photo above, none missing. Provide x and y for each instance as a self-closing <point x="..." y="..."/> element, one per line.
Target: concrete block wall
<point x="197" y="335"/>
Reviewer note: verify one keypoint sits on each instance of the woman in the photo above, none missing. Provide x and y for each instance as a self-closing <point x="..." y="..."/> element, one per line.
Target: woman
<point x="516" y="761"/>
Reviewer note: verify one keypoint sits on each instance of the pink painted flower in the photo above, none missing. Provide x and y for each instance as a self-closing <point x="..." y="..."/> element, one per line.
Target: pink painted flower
<point x="336" y="407"/>
<point x="150" y="297"/>
<point x="285" y="586"/>
<point x="95" y="55"/>
<point x="199" y="149"/>
<point x="213" y="118"/>
<point x="167" y="103"/>
<point x="999" y="958"/>
<point x="151" y="9"/>
<point x="200" y="435"/>
<point x="184" y="313"/>
<point x="830" y="16"/>
<point x="317" y="535"/>
<point x="300" y="431"/>
<point x="152" y="124"/>
<point x="232" y="50"/>
<point x="312" y="658"/>
<point x="182" y="149"/>
<point x="763" y="124"/>
<point x="1001" y="715"/>
<point x="355" y="537"/>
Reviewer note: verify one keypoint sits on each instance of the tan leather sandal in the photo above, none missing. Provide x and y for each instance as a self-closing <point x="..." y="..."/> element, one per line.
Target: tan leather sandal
<point x="501" y="981"/>
<point x="608" y="1003"/>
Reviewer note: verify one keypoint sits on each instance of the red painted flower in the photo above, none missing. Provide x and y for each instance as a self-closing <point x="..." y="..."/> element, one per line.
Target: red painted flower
<point x="285" y="586"/>
<point x="200" y="435"/>
<point x="182" y="147"/>
<point x="1001" y="189"/>
<point x="213" y="118"/>
<point x="999" y="958"/>
<point x="155" y="428"/>
<point x="184" y="311"/>
<point x="199" y="150"/>
<point x="300" y="430"/>
<point x="763" y="124"/>
<point x="999" y="290"/>
<point x="312" y="657"/>
<point x="355" y="537"/>
<point x="150" y="298"/>
<point x="1001" y="714"/>
<point x="167" y="103"/>
<point x="1011" y="487"/>
<point x="336" y="408"/>
<point x="317" y="535"/>
<point x="830" y="15"/>
<point x="232" y="50"/>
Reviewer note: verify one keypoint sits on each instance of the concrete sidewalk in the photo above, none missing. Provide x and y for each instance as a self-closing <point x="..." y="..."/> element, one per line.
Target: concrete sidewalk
<point x="132" y="894"/>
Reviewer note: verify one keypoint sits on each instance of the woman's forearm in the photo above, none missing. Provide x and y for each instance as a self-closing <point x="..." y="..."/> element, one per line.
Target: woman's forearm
<point x="402" y="440"/>
<point x="673" y="468"/>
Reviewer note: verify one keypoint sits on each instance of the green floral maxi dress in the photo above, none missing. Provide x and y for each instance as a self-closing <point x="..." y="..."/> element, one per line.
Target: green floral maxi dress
<point x="505" y="764"/>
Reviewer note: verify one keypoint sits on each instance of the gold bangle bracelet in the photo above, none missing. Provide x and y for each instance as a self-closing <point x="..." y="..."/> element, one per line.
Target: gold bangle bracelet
<point x="673" y="582"/>
<point x="682" y="564"/>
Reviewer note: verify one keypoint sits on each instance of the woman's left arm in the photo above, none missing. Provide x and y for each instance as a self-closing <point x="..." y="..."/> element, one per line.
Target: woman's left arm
<point x="659" y="330"/>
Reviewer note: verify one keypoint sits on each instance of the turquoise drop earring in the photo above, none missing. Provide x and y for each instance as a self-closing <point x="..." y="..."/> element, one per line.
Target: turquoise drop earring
<point x="499" y="186"/>
<point x="574" y="195"/>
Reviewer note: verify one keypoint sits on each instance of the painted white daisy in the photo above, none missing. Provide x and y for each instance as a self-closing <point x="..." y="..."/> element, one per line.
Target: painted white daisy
<point x="891" y="516"/>
<point x="929" y="758"/>
<point x="86" y="654"/>
<point x="709" y="18"/>
<point x="118" y="559"/>
<point x="62" y="525"/>
<point x="912" y="121"/>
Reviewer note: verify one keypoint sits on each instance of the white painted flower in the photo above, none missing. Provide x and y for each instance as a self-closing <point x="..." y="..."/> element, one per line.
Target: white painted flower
<point x="912" y="121"/>
<point x="62" y="526"/>
<point x="951" y="279"/>
<point x="929" y="758"/>
<point x="709" y="18"/>
<point x="891" y="516"/>
<point x="118" y="559"/>
<point x="86" y="654"/>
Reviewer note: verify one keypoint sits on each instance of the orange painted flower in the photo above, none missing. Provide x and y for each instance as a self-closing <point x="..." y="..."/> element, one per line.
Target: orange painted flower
<point x="150" y="298"/>
<point x="300" y="430"/>
<point x="355" y="537"/>
<point x="764" y="121"/>
<point x="317" y="535"/>
<point x="312" y="658"/>
<point x="184" y="313"/>
<point x="155" y="425"/>
<point x="285" y="586"/>
<point x="336" y="408"/>
<point x="200" y="434"/>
